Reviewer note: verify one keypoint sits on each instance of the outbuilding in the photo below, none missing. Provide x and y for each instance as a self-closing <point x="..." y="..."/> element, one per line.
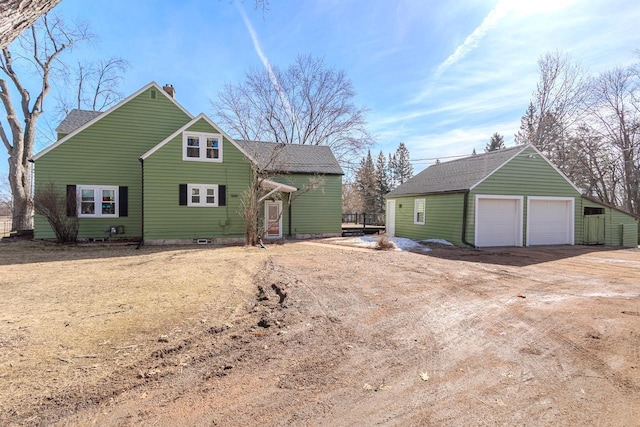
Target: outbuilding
<point x="509" y="197"/>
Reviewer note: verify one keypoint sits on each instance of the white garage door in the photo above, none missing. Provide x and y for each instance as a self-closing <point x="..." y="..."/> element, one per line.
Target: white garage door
<point x="550" y="221"/>
<point x="498" y="221"/>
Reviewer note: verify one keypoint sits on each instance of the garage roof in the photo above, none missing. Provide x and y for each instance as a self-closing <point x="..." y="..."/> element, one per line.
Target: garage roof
<point x="457" y="175"/>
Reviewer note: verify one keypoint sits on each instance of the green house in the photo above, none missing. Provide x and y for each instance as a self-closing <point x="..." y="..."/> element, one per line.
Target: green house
<point x="147" y="169"/>
<point x="509" y="197"/>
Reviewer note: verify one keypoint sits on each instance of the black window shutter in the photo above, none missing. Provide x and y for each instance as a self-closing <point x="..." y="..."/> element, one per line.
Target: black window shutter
<point x="72" y="207"/>
<point x="182" y="199"/>
<point x="123" y="199"/>
<point x="222" y="195"/>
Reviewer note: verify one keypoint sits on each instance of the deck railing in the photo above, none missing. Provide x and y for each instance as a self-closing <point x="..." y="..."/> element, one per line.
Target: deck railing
<point x="363" y="218"/>
<point x="5" y="227"/>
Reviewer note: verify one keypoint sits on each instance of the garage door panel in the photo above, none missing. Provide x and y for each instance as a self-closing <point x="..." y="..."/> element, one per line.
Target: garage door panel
<point x="550" y="222"/>
<point x="498" y="222"/>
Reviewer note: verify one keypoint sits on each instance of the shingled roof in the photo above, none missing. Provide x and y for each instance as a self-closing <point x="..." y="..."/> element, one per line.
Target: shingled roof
<point x="76" y="119"/>
<point x="456" y="175"/>
<point x="292" y="158"/>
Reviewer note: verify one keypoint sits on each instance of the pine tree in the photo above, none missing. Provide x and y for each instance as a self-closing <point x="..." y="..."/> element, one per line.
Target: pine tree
<point x="391" y="167"/>
<point x="382" y="181"/>
<point x="403" y="169"/>
<point x="495" y="143"/>
<point x="366" y="183"/>
<point x="527" y="132"/>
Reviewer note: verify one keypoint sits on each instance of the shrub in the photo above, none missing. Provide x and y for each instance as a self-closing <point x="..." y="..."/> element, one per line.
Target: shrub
<point x="51" y="204"/>
<point x="385" y="245"/>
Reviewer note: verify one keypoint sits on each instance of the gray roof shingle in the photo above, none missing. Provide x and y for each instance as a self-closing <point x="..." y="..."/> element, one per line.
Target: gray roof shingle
<point x="292" y="158"/>
<point x="456" y="175"/>
<point x="76" y="119"/>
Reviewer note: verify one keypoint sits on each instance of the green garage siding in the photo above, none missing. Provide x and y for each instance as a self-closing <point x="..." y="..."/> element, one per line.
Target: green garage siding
<point x="106" y="153"/>
<point x="318" y="211"/>
<point x="620" y="228"/>
<point x="164" y="171"/>
<point x="443" y="217"/>
<point x="527" y="174"/>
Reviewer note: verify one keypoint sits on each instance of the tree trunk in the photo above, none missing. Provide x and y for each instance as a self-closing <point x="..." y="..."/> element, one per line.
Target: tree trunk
<point x="18" y="15"/>
<point x="20" y="182"/>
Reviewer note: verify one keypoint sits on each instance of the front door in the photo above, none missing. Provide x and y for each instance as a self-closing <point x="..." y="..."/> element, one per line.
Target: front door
<point x="273" y="219"/>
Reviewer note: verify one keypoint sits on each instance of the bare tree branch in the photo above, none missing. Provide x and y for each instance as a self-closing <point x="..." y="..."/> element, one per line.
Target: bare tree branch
<point x="307" y="103"/>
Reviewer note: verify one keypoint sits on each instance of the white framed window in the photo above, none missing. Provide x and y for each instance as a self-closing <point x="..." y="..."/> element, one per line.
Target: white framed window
<point x="202" y="147"/>
<point x="202" y="195"/>
<point x="418" y="211"/>
<point x="97" y="201"/>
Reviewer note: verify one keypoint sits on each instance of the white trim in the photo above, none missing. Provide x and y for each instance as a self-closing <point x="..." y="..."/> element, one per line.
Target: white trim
<point x="276" y="186"/>
<point x="390" y="218"/>
<point x="202" y="147"/>
<point x="203" y="195"/>
<point x="97" y="202"/>
<point x="519" y="225"/>
<point x="571" y="215"/>
<point x="106" y="113"/>
<point x="498" y="168"/>
<point x="273" y="184"/>
<point x="415" y="211"/>
<point x="266" y="219"/>
<point x="187" y="126"/>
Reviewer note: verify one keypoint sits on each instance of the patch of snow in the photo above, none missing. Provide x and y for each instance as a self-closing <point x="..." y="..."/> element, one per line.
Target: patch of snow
<point x="438" y="241"/>
<point x="400" y="243"/>
<point x="403" y="244"/>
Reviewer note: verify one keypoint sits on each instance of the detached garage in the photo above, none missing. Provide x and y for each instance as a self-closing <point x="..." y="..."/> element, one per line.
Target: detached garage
<point x="509" y="197"/>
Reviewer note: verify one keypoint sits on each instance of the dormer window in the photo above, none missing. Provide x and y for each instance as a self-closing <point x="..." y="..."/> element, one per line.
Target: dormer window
<point x="202" y="147"/>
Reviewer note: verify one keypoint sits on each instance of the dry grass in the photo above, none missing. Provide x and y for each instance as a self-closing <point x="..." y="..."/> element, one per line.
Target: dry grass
<point x="383" y="244"/>
<point x="71" y="315"/>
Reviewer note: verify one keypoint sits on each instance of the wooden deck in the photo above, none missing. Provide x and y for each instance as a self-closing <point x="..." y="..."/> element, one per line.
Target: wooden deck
<point x="352" y="229"/>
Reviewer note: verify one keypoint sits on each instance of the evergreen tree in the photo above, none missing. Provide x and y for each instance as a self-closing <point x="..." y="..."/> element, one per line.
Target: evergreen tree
<point x="391" y="166"/>
<point x="403" y="169"/>
<point x="366" y="183"/>
<point x="527" y="132"/>
<point x="382" y="181"/>
<point x="495" y="143"/>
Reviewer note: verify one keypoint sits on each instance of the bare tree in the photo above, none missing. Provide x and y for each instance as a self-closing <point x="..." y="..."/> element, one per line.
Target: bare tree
<point x="37" y="51"/>
<point x="557" y="102"/>
<point x="93" y="85"/>
<point x="308" y="103"/>
<point x="614" y="113"/>
<point x="18" y="15"/>
<point x="263" y="172"/>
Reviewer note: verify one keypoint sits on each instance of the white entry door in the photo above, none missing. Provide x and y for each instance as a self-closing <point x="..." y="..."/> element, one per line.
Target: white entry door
<point x="273" y="219"/>
<point x="391" y="218"/>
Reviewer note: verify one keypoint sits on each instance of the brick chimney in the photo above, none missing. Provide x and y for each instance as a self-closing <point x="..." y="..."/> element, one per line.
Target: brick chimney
<point x="169" y="89"/>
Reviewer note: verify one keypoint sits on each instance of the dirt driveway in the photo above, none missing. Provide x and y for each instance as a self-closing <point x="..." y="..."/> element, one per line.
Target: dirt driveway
<point x="325" y="335"/>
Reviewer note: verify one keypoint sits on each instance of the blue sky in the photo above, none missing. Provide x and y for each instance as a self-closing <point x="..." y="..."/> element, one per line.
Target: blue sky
<point x="441" y="76"/>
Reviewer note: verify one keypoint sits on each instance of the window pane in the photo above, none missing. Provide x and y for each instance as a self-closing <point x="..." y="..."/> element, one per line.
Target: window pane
<point x="87" y="202"/>
<point x="212" y="142"/>
<point x="195" y="195"/>
<point x="108" y="202"/>
<point x="193" y="146"/>
<point x="211" y="196"/>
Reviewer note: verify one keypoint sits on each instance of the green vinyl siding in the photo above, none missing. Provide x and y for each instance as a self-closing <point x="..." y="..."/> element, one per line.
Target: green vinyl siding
<point x="527" y="174"/>
<point x="317" y="211"/>
<point x="164" y="171"/>
<point x="620" y="228"/>
<point x="443" y="217"/>
<point x="106" y="153"/>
